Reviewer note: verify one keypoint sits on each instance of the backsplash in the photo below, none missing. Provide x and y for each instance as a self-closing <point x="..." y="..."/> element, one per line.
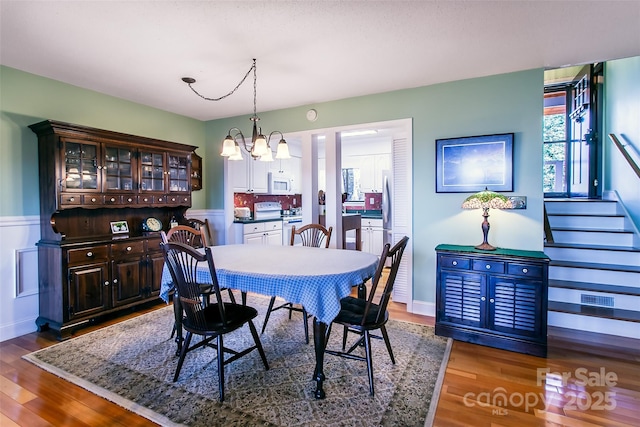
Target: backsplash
<point x="247" y="200"/>
<point x="372" y="201"/>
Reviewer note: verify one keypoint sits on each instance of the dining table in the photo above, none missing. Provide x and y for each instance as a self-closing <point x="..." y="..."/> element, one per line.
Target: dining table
<point x="316" y="278"/>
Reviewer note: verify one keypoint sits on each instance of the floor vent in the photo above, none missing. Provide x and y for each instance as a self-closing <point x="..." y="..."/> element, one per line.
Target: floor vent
<point x="596" y="300"/>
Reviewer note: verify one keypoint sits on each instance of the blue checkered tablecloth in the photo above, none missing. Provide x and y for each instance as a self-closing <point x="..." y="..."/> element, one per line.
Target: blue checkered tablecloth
<point x="317" y="278"/>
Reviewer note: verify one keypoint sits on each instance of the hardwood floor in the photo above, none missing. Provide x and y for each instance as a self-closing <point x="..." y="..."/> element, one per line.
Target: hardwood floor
<point x="475" y="376"/>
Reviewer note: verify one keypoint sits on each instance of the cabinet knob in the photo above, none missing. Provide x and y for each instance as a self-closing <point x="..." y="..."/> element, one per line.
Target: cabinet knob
<point x="71" y="199"/>
<point x="129" y="199"/>
<point x="112" y="199"/>
<point x="106" y="283"/>
<point x="525" y="271"/>
<point x="173" y="199"/>
<point x="145" y="199"/>
<point x="89" y="254"/>
<point x="115" y="281"/>
<point x="488" y="267"/>
<point x="93" y="199"/>
<point x="159" y="199"/>
<point x="455" y="263"/>
<point x="128" y="248"/>
<point x="491" y="300"/>
<point x="483" y="299"/>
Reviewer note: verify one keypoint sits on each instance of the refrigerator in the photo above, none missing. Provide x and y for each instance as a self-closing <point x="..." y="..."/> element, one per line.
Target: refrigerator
<point x="387" y="209"/>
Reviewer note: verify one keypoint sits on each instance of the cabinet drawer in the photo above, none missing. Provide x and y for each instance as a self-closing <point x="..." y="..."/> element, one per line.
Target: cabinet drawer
<point x="93" y="199"/>
<point x="112" y="199"/>
<point x="84" y="255"/>
<point x="256" y="227"/>
<point x="369" y="222"/>
<point x="129" y="200"/>
<point x="492" y="266"/>
<point x="70" y="199"/>
<point x="525" y="270"/>
<point x="175" y="199"/>
<point x="273" y="225"/>
<point x="455" y="262"/>
<point x="127" y="248"/>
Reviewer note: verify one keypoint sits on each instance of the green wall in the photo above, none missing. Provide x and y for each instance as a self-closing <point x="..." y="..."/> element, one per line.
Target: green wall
<point x="496" y="104"/>
<point x="26" y="99"/>
<point x="622" y="117"/>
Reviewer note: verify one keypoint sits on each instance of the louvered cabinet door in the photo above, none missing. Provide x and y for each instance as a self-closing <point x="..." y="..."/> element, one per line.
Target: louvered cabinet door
<point x="462" y="298"/>
<point x="514" y="306"/>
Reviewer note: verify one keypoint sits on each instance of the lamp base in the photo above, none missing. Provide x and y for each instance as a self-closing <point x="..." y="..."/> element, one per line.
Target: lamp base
<point x="486" y="247"/>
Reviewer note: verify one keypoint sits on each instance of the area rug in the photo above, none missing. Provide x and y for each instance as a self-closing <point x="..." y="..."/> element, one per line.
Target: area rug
<point x="132" y="363"/>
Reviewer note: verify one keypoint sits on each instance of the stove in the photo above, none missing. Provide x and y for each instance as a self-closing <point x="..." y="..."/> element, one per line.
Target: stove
<point x="267" y="210"/>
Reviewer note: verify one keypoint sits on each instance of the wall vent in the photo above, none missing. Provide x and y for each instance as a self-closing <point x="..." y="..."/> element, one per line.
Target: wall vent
<point x="598" y="300"/>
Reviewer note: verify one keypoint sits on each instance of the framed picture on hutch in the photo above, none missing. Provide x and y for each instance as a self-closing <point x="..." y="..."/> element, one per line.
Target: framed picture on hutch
<point x="473" y="163"/>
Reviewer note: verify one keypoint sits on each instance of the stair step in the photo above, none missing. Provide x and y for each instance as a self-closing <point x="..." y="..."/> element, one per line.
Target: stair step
<point x="596" y="266"/>
<point x="593" y="237"/>
<point x="595" y="287"/>
<point x="611" y="274"/>
<point x="587" y="310"/>
<point x="581" y="322"/>
<point x="587" y="221"/>
<point x="578" y="206"/>
<point x="581" y="252"/>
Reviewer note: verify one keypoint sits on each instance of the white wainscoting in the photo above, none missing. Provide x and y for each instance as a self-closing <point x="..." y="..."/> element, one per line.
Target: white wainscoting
<point x="19" y="273"/>
<point x="216" y="222"/>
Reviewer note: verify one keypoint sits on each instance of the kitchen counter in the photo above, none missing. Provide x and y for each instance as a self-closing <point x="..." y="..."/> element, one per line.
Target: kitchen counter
<point x="371" y="214"/>
<point x="252" y="221"/>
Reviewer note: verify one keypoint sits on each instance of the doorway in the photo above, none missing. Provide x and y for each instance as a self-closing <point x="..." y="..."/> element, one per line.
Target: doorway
<point x="572" y="146"/>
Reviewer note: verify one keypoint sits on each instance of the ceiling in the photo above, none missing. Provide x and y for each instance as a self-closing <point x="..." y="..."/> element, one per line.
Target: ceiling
<point x="307" y="51"/>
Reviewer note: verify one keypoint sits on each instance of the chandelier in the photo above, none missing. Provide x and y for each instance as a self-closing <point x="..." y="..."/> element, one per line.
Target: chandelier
<point x="260" y="145"/>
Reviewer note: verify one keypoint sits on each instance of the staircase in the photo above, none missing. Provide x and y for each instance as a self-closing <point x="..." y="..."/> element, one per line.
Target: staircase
<point x="594" y="273"/>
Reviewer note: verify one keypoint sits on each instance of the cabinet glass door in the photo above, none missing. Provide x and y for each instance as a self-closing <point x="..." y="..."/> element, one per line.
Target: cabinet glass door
<point x="178" y="173"/>
<point x="118" y="167"/>
<point x="81" y="166"/>
<point x="152" y="171"/>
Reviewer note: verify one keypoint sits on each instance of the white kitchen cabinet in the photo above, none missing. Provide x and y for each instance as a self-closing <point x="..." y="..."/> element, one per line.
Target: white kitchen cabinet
<point x="291" y="166"/>
<point x="372" y="235"/>
<point x="260" y="233"/>
<point x="371" y="167"/>
<point x="248" y="175"/>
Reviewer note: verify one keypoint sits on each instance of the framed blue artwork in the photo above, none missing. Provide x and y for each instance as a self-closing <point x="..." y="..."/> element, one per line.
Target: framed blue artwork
<point x="472" y="163"/>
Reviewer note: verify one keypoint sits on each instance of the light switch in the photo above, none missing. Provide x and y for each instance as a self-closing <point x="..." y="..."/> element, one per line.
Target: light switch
<point x="371" y="200"/>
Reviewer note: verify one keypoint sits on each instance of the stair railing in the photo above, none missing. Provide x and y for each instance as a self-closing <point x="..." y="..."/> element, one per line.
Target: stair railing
<point x="625" y="154"/>
<point x="548" y="234"/>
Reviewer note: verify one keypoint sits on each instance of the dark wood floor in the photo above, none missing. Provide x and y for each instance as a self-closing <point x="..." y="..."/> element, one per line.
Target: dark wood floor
<point x="475" y="377"/>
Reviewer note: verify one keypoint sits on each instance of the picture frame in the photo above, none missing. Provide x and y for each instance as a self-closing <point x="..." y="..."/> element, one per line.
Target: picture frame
<point x="473" y="163"/>
<point x="119" y="227"/>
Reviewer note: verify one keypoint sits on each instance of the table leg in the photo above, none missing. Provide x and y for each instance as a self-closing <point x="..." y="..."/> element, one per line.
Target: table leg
<point x="320" y="344"/>
<point x="358" y="239"/>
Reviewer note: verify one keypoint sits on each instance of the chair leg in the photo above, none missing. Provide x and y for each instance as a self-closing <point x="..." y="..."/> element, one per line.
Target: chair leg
<point x="344" y="337"/>
<point x="231" y="296"/>
<point x="306" y="324"/>
<point x="220" y="367"/>
<point x="266" y="317"/>
<point x="367" y="345"/>
<point x="183" y="353"/>
<point x="383" y="329"/>
<point x="256" y="339"/>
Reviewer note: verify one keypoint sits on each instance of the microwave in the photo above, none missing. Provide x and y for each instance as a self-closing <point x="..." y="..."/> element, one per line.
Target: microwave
<point x="280" y="183"/>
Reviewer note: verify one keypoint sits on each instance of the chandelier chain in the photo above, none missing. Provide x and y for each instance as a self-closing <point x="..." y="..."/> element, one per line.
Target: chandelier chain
<point x="253" y="68"/>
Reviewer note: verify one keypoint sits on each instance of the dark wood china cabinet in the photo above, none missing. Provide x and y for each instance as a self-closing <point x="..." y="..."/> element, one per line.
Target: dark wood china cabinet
<point x="90" y="178"/>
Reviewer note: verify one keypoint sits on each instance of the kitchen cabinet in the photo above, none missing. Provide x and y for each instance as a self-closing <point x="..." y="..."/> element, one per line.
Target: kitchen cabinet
<point x="88" y="179"/>
<point x="291" y="166"/>
<point x="372" y="235"/>
<point x="496" y="298"/>
<point x="260" y="233"/>
<point x="248" y="175"/>
<point x="371" y="167"/>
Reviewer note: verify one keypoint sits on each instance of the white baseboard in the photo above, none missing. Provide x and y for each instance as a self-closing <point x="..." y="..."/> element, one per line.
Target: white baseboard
<point x="16" y="329"/>
<point x="424" y="308"/>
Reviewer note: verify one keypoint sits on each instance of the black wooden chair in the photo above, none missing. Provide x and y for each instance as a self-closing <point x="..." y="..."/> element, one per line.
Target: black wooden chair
<point x="211" y="321"/>
<point x="313" y="235"/>
<point x="203" y="226"/>
<point x="197" y="239"/>
<point x="362" y="316"/>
